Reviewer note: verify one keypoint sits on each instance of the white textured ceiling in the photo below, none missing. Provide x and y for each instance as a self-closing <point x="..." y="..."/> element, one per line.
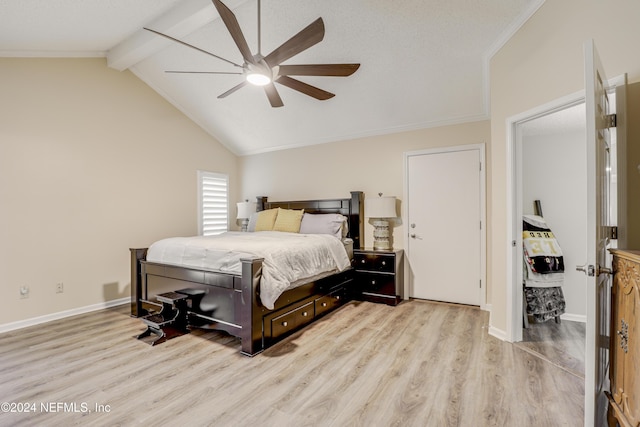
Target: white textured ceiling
<point x="423" y="62"/>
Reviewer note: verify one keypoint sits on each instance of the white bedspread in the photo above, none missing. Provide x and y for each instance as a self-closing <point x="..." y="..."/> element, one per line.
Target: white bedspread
<point x="289" y="258"/>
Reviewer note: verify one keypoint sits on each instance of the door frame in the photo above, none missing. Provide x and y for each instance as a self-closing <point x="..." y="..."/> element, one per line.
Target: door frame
<point x="514" y="207"/>
<point x="480" y="147"/>
<point x="514" y="199"/>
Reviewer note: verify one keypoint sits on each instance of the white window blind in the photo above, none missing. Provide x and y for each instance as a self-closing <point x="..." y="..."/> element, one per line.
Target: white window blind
<point x="213" y="203"/>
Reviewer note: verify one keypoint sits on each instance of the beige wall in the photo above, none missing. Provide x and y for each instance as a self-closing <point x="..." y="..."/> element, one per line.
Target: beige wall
<point x="372" y="165"/>
<point x="92" y="162"/>
<point x="542" y="62"/>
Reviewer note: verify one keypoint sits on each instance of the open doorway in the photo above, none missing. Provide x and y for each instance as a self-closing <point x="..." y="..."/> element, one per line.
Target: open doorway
<point x="548" y="147"/>
<point x="553" y="173"/>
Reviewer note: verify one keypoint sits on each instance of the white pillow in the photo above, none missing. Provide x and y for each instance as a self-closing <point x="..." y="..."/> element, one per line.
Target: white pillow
<point x="252" y="221"/>
<point x="334" y="224"/>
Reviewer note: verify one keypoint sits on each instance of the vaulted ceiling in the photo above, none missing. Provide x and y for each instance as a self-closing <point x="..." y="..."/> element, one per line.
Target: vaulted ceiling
<point x="423" y="63"/>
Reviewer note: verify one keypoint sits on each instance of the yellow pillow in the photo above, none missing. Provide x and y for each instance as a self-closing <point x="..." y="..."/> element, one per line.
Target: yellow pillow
<point x="266" y="219"/>
<point x="288" y="220"/>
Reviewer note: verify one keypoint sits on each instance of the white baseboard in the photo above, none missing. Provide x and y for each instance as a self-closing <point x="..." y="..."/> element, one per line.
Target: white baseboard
<point x="497" y="333"/>
<point x="502" y="335"/>
<point x="574" y="317"/>
<point x="493" y="331"/>
<point x="62" y="314"/>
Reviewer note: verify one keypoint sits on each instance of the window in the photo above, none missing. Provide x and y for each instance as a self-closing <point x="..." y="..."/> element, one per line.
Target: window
<point x="213" y="203"/>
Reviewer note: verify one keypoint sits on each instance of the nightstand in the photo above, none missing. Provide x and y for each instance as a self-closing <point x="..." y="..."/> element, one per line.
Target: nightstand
<point x="379" y="275"/>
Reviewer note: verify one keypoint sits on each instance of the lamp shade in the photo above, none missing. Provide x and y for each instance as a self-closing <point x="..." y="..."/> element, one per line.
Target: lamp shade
<point x="245" y="209"/>
<point x="380" y="207"/>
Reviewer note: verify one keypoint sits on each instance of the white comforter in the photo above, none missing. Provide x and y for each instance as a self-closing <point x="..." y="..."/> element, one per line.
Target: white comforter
<point x="289" y="258"/>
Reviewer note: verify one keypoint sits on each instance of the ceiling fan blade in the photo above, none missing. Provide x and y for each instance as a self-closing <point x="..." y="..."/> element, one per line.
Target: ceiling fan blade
<point x="273" y="95"/>
<point x="199" y="72"/>
<point x="233" y="89"/>
<point x="312" y="34"/>
<point x="192" y="46"/>
<point x="337" y="70"/>
<point x="232" y="25"/>
<point x="305" y="88"/>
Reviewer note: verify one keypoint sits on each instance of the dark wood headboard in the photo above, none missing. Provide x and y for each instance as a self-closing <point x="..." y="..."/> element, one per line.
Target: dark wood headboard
<point x="352" y="208"/>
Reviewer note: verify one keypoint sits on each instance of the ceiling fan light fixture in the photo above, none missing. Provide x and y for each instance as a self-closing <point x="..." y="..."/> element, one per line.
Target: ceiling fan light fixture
<point x="263" y="71"/>
<point x="258" y="79"/>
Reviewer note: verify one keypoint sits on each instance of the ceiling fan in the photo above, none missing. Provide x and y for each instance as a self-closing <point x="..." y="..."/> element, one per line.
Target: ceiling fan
<point x="262" y="70"/>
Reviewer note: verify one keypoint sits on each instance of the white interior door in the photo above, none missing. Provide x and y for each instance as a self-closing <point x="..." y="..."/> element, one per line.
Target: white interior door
<point x="598" y="259"/>
<point x="444" y="225"/>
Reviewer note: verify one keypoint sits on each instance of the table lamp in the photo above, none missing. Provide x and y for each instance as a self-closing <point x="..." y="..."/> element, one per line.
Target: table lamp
<point x="381" y="209"/>
<point x="245" y="209"/>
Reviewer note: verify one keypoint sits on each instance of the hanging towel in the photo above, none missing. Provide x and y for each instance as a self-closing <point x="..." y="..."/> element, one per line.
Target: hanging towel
<point x="543" y="260"/>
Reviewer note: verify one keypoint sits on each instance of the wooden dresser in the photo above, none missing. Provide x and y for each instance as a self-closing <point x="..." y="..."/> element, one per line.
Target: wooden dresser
<point x="624" y="371"/>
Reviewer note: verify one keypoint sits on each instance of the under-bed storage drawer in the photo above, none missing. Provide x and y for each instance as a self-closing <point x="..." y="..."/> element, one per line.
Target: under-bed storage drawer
<point x="291" y="320"/>
<point x="330" y="301"/>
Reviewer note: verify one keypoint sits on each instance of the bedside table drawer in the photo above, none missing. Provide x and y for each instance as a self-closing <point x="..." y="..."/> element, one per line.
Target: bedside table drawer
<point x="374" y="262"/>
<point x="382" y="284"/>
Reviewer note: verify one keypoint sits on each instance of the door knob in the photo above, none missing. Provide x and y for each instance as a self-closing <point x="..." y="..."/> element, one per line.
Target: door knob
<point x="587" y="269"/>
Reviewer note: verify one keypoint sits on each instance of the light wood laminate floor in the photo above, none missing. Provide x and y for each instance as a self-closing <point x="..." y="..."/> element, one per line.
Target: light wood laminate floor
<point x="562" y="344"/>
<point x="417" y="364"/>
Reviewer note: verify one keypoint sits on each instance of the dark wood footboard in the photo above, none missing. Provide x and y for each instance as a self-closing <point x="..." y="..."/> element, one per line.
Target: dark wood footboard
<point x="250" y="309"/>
<point x="231" y="303"/>
<point x="137" y="255"/>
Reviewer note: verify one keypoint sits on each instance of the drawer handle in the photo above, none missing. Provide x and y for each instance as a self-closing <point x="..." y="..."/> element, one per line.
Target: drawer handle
<point x="337" y="297"/>
<point x="305" y="314"/>
<point x="324" y="304"/>
<point x="373" y="282"/>
<point x="384" y="263"/>
<point x="624" y="335"/>
<point x="285" y="323"/>
<point x="362" y="261"/>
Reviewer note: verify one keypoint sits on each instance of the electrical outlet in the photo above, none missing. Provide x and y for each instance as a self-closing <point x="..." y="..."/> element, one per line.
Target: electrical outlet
<point x="24" y="292"/>
<point x="59" y="288"/>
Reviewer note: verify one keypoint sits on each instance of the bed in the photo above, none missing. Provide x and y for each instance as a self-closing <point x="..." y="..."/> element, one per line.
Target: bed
<point x="231" y="302"/>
